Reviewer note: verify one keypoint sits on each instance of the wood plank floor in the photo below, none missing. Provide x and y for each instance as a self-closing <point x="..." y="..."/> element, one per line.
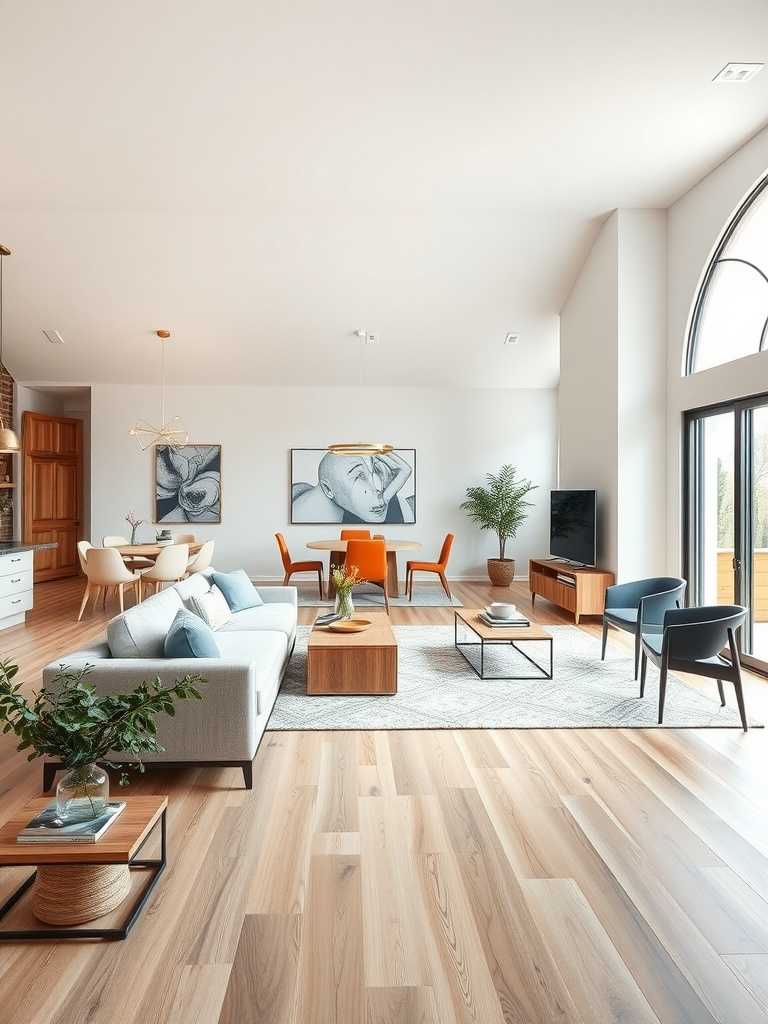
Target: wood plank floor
<point x="427" y="877"/>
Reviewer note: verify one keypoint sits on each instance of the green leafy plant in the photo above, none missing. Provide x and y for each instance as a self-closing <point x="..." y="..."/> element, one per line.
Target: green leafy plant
<point x="501" y="505"/>
<point x="72" y="722"/>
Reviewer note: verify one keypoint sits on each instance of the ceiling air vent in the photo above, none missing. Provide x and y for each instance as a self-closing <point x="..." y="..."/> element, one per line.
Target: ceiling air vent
<point x="742" y="72"/>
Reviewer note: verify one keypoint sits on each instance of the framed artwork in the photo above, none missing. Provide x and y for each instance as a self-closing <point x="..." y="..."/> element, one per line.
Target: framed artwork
<point x="372" y="489"/>
<point x="188" y="483"/>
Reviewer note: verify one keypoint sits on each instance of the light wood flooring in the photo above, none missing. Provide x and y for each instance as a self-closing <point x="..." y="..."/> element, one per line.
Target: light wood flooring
<point x="423" y="877"/>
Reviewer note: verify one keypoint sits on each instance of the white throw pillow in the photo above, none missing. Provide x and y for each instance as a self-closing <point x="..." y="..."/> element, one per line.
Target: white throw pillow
<point x="212" y="607"/>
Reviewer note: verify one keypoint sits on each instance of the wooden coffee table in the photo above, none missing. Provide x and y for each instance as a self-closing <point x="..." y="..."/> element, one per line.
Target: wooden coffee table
<point x="353" y="663"/>
<point x="118" y="850"/>
<point x="510" y="636"/>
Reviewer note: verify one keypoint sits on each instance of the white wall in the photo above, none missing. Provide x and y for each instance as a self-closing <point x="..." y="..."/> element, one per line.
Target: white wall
<point x="612" y="389"/>
<point x="458" y="435"/>
<point x="642" y="513"/>
<point x="695" y="223"/>
<point x="587" y="407"/>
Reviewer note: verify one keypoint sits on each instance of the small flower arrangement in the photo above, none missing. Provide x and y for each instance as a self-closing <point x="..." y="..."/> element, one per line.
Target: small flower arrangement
<point x="134" y="522"/>
<point x="344" y="580"/>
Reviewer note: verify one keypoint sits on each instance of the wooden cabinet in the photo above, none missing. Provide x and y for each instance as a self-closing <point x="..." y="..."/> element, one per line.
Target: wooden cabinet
<point x="52" y="473"/>
<point x="580" y="591"/>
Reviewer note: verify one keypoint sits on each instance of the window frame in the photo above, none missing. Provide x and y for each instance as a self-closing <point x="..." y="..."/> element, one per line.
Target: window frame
<point x="695" y="319"/>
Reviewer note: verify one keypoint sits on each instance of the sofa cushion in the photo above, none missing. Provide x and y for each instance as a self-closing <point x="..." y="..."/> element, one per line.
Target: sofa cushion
<point x="190" y="637"/>
<point x="264" y="647"/>
<point x="238" y="589"/>
<point x="277" y="617"/>
<point x="193" y="586"/>
<point x="140" y="631"/>
<point x="212" y="608"/>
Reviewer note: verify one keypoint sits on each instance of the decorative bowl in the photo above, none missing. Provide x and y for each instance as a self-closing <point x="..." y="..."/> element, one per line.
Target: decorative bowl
<point x="349" y="625"/>
<point x="502" y="610"/>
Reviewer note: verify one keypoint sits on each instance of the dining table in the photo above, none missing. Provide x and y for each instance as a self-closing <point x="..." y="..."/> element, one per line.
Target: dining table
<point x="338" y="550"/>
<point x="150" y="551"/>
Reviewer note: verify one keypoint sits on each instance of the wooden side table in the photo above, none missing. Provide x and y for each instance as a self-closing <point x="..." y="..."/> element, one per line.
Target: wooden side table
<point x="120" y="846"/>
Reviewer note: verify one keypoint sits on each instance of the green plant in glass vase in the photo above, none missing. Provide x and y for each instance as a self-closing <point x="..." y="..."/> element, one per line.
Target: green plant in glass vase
<point x="81" y="728"/>
<point x="345" y="579"/>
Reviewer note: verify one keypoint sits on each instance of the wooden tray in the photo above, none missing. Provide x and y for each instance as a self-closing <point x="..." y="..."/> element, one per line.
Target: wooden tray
<point x="349" y="625"/>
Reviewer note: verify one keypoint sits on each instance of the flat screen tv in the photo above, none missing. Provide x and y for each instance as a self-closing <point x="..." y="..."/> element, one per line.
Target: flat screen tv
<point x="572" y="531"/>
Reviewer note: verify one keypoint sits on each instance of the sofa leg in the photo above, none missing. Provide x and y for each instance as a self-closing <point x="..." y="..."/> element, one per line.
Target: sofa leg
<point x="247" y="767"/>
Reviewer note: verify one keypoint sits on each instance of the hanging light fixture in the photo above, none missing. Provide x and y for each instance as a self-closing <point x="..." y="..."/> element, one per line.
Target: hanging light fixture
<point x="9" y="443"/>
<point x="362" y="447"/>
<point x="172" y="433"/>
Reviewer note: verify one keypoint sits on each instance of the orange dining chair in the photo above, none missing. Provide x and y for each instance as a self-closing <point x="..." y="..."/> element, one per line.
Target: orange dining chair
<point x="292" y="567"/>
<point x="355" y="534"/>
<point x="370" y="557"/>
<point x="438" y="567"/>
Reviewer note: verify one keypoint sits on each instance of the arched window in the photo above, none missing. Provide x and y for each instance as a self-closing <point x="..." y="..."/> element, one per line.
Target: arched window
<point x="730" y="314"/>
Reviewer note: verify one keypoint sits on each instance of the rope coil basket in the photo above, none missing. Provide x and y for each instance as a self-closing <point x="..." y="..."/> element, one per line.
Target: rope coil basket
<point x="73" y="894"/>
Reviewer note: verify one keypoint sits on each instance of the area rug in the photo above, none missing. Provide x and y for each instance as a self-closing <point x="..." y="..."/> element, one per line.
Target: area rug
<point x="373" y="597"/>
<point x="438" y="690"/>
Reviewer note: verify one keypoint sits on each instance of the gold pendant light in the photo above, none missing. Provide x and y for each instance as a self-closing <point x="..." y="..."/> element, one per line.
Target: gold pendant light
<point x="9" y="443"/>
<point x="172" y="433"/>
<point x="362" y="447"/>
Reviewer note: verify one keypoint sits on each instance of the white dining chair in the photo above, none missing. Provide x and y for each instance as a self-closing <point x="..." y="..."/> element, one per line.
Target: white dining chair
<point x="202" y="559"/>
<point x="83" y="547"/>
<point x="104" y="569"/>
<point x="170" y="566"/>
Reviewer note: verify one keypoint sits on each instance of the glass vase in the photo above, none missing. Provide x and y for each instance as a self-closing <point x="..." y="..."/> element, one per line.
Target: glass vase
<point x="344" y="606"/>
<point x="82" y="793"/>
<point x="134" y="529"/>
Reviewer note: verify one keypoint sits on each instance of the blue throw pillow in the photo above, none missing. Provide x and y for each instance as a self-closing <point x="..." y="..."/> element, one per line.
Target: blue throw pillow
<point x="190" y="637"/>
<point x="238" y="590"/>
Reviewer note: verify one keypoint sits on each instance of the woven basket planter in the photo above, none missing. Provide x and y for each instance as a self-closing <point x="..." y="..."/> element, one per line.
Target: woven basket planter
<point x="501" y="571"/>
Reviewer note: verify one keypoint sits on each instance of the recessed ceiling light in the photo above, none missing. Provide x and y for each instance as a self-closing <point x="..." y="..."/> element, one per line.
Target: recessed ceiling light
<point x="54" y="337"/>
<point x="738" y="72"/>
<point x="511" y="338"/>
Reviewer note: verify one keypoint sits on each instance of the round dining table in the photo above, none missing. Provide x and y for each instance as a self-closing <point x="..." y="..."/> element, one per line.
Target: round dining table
<point x="150" y="551"/>
<point x="338" y="549"/>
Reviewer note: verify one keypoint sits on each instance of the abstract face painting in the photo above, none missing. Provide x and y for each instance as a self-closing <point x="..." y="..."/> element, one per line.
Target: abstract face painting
<point x="328" y="488"/>
<point x="188" y="483"/>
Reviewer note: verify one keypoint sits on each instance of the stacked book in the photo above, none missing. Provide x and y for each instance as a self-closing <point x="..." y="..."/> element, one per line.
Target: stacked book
<point x="326" y="618"/>
<point x="48" y="827"/>
<point x="515" y="619"/>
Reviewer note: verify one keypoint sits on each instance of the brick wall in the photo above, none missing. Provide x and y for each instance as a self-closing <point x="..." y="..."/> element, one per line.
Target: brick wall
<point x="7" y="467"/>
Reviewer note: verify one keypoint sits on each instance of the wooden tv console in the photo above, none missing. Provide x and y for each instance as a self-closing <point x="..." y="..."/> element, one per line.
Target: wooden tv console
<point x="581" y="591"/>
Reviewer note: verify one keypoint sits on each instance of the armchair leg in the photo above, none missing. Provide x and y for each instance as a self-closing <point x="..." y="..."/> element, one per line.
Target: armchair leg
<point x="721" y="691"/>
<point x="637" y="653"/>
<point x="444" y="582"/>
<point x="740" y="701"/>
<point x="662" y="691"/>
<point x="643" y="670"/>
<point x="605" y="637"/>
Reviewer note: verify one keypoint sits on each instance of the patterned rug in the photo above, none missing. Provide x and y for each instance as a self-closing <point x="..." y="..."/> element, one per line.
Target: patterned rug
<point x="438" y="690"/>
<point x="373" y="597"/>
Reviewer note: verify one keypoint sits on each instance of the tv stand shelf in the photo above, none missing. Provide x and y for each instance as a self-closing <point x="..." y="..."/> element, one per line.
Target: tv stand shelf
<point x="581" y="591"/>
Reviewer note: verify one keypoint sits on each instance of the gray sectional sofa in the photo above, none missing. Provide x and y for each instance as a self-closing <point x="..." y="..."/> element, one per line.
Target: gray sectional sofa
<point x="225" y="728"/>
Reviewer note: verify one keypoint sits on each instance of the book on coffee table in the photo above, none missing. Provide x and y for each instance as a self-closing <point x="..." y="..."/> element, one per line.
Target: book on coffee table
<point x="494" y="620"/>
<point x="44" y="828"/>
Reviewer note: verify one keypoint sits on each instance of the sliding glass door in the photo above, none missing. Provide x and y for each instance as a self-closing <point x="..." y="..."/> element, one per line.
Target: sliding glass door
<point x="726" y="514"/>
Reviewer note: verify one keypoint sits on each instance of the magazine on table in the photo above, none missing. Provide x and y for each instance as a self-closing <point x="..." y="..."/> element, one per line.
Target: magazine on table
<point x="48" y="827"/>
<point x="494" y="620"/>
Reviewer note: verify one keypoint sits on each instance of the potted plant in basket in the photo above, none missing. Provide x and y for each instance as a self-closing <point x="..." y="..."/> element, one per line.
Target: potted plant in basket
<point x="500" y="506"/>
<point x="73" y="723"/>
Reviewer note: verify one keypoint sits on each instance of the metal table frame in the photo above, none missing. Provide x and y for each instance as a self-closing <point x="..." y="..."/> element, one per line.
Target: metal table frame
<point x="481" y="642"/>
<point x="76" y="931"/>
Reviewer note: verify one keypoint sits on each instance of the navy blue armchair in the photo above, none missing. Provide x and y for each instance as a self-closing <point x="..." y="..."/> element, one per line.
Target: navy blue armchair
<point x="691" y="640"/>
<point x="639" y="607"/>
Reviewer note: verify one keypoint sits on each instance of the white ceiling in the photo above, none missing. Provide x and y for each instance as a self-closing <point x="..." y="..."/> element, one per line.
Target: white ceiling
<point x="265" y="178"/>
